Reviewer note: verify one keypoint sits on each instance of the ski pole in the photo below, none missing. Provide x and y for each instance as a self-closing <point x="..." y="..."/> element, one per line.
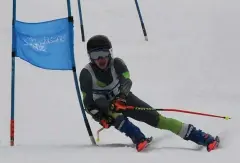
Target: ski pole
<point x="98" y="134"/>
<point x="81" y="20"/>
<point x="177" y="110"/>
<point x="141" y="20"/>
<point x="162" y="109"/>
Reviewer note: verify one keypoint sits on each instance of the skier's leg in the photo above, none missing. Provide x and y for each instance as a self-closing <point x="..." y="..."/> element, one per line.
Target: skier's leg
<point x="154" y="119"/>
<point x="123" y="124"/>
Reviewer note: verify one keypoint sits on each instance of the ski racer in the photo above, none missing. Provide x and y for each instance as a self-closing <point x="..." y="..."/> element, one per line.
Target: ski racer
<point x="106" y="87"/>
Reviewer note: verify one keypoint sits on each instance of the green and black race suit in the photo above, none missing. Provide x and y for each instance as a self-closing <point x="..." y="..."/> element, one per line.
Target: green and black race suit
<point x="98" y="84"/>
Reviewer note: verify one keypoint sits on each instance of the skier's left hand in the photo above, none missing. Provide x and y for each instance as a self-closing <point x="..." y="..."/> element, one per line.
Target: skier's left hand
<point x="119" y="104"/>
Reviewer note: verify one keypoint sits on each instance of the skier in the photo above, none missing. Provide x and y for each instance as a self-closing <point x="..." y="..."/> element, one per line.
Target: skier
<point x="105" y="84"/>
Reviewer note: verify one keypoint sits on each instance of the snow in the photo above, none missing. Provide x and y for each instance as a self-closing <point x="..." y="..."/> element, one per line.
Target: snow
<point x="191" y="61"/>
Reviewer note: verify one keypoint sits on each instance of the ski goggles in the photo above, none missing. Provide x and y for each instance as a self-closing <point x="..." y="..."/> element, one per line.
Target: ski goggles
<point x="102" y="53"/>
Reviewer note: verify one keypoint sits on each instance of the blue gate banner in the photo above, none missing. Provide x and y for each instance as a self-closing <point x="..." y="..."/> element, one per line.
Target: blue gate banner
<point x="47" y="45"/>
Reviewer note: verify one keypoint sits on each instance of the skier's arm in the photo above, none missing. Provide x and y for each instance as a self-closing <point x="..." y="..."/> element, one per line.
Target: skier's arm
<point x="85" y="80"/>
<point x="124" y="76"/>
<point x="98" y="108"/>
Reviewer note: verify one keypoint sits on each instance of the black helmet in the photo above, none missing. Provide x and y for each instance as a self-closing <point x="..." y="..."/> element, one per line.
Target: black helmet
<point x="98" y="42"/>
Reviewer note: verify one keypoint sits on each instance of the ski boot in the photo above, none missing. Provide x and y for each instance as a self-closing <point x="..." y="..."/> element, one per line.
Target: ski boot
<point x="138" y="138"/>
<point x="143" y="144"/>
<point x="202" y="138"/>
<point x="214" y="144"/>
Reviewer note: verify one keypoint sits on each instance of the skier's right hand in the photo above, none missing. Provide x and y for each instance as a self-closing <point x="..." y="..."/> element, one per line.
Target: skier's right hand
<point x="99" y="109"/>
<point x="100" y="117"/>
<point x="106" y="122"/>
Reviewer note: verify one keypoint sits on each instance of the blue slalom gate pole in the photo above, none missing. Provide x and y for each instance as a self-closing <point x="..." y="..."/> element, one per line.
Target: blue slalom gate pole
<point x="70" y="18"/>
<point x="81" y="20"/>
<point x="13" y="75"/>
<point x="141" y="21"/>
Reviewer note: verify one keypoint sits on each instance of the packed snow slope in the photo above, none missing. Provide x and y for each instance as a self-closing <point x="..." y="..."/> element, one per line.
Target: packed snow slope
<point x="191" y="61"/>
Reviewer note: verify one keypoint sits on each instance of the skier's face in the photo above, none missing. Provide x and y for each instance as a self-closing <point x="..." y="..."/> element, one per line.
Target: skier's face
<point x="102" y="63"/>
<point x="100" y="57"/>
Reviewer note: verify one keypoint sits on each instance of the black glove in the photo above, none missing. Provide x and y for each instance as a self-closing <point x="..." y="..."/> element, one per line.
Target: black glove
<point x="96" y="114"/>
<point x="103" y="119"/>
<point x="103" y="104"/>
<point x="121" y="98"/>
<point x="100" y="112"/>
<point x="119" y="104"/>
